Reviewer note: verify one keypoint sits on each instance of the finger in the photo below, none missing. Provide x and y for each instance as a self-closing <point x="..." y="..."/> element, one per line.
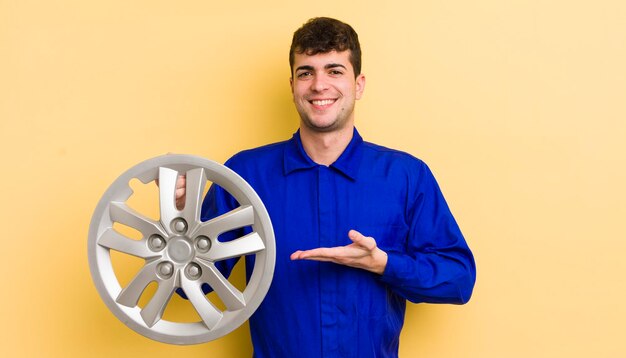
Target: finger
<point x="180" y="193"/>
<point x="355" y="235"/>
<point x="181" y="181"/>
<point x="365" y="242"/>
<point x="300" y="255"/>
<point x="320" y="254"/>
<point x="295" y="255"/>
<point x="181" y="186"/>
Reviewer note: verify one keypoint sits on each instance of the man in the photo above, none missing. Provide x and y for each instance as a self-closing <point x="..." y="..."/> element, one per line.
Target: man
<point x="359" y="228"/>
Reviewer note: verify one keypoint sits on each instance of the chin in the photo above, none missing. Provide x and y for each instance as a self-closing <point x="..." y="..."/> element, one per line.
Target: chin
<point x="322" y="127"/>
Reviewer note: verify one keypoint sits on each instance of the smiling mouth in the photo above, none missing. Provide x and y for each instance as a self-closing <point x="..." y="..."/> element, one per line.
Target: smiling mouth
<point x="322" y="102"/>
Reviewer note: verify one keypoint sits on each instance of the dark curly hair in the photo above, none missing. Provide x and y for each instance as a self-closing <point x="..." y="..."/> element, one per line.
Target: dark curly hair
<point x="323" y="35"/>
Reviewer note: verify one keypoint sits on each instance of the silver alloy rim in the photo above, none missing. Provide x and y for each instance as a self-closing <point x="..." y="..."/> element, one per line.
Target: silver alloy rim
<point x="180" y="250"/>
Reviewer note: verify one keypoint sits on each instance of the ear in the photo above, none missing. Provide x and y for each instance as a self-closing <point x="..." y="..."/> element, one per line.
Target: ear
<point x="360" y="85"/>
<point x="291" y="83"/>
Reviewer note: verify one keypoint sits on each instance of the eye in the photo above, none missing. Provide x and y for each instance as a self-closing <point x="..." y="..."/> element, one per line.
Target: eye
<point x="304" y="74"/>
<point x="335" y="72"/>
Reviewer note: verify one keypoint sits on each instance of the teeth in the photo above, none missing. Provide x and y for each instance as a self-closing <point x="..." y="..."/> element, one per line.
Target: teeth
<point x="322" y="102"/>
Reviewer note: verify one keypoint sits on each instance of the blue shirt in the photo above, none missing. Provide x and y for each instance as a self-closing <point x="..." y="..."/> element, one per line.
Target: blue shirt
<point x="321" y="309"/>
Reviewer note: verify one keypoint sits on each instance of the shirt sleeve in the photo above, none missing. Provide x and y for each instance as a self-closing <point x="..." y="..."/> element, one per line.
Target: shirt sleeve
<point x="436" y="265"/>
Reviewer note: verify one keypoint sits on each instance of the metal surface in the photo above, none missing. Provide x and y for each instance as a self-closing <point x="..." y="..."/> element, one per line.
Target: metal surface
<point x="180" y="250"/>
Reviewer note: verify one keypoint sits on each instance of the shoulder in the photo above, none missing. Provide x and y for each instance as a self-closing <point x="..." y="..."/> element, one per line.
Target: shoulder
<point x="392" y="158"/>
<point x="264" y="156"/>
<point x="399" y="167"/>
<point x="403" y="170"/>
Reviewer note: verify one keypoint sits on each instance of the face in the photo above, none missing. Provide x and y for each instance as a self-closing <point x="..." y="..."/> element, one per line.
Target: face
<point x="324" y="90"/>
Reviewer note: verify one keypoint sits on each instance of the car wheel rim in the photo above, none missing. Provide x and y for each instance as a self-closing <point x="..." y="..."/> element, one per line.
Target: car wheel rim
<point x="180" y="250"/>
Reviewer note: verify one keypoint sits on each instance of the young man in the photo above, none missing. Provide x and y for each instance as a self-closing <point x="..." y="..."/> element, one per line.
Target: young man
<point x="359" y="228"/>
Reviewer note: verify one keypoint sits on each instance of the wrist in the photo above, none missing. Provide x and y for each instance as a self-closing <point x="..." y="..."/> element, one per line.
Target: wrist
<point x="380" y="261"/>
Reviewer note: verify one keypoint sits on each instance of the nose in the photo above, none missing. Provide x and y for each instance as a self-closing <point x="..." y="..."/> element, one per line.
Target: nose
<point x="319" y="84"/>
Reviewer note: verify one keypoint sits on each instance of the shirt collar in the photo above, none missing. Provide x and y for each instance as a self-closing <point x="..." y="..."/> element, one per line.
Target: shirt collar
<point x="348" y="163"/>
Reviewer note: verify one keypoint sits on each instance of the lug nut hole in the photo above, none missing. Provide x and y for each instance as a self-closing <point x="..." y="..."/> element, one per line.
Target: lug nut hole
<point x="193" y="271"/>
<point x="165" y="269"/>
<point x="202" y="244"/>
<point x="179" y="225"/>
<point x="156" y="243"/>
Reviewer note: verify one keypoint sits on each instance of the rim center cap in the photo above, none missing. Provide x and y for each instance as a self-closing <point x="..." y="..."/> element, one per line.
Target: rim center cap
<point x="179" y="250"/>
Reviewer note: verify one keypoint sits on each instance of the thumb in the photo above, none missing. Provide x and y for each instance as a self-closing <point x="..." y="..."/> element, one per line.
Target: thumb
<point x="364" y="241"/>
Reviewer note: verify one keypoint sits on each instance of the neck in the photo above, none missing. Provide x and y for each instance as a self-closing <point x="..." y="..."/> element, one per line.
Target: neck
<point x="325" y="147"/>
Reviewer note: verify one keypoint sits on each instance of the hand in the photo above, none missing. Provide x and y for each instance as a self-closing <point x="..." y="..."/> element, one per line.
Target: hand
<point x="361" y="253"/>
<point x="181" y="191"/>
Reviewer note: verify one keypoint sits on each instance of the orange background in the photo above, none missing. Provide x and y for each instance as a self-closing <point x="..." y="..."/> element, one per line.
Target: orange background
<point x="517" y="106"/>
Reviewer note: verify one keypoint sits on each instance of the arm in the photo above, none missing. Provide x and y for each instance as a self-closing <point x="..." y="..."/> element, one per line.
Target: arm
<point x="435" y="265"/>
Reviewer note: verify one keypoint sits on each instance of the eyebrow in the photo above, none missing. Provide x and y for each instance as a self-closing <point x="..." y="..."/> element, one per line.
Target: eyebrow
<point x="334" y="65"/>
<point x="328" y="66"/>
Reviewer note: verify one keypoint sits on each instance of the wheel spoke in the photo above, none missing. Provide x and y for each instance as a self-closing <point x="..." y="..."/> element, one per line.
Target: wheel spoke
<point x="167" y="195"/>
<point x="196" y="181"/>
<point x="123" y="214"/>
<point x="113" y="240"/>
<point x="153" y="311"/>
<point x="234" y="219"/>
<point x="210" y="315"/>
<point x="244" y="245"/>
<point x="229" y="294"/>
<point x="131" y="293"/>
